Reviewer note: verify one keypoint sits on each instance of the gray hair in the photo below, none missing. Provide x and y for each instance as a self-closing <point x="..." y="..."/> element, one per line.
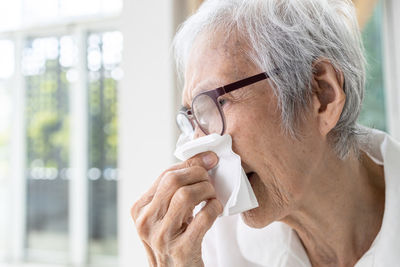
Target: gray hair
<point x="291" y="35"/>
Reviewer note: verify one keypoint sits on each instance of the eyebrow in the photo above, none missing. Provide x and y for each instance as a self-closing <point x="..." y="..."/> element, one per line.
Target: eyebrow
<point x="206" y="85"/>
<point x="203" y="86"/>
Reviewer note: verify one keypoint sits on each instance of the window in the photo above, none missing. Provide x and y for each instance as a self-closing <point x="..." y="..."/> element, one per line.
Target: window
<point x="47" y="65"/>
<point x="104" y="57"/>
<point x="373" y="112"/>
<point x="52" y="59"/>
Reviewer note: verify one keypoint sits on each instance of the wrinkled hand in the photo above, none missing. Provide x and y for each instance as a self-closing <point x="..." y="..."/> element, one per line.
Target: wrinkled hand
<point x="163" y="215"/>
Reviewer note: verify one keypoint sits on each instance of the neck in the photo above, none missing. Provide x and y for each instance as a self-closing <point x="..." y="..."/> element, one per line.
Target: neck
<point x="350" y="197"/>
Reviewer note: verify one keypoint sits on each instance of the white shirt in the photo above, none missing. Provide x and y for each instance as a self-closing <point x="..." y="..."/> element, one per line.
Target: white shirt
<point x="231" y="243"/>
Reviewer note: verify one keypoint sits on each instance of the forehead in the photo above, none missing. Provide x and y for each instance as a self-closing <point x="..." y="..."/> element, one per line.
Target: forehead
<point x="214" y="60"/>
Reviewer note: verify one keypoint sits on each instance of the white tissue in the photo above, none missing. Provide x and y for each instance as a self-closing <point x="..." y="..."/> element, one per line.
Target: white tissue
<point x="228" y="177"/>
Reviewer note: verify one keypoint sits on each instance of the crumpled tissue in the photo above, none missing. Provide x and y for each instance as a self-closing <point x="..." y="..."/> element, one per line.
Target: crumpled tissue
<point x="232" y="186"/>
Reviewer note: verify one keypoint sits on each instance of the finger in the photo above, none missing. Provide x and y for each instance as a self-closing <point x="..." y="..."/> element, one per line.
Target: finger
<point x="175" y="177"/>
<point x="203" y="221"/>
<point x="171" y="183"/>
<point x="147" y="197"/>
<point x="182" y="205"/>
<point x="155" y="185"/>
<point x="144" y="200"/>
<point x="206" y="160"/>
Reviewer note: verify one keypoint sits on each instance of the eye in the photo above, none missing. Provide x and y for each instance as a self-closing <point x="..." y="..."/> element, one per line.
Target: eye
<point x="222" y="101"/>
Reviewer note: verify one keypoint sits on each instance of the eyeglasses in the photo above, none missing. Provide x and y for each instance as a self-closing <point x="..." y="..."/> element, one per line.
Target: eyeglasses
<point x="206" y="111"/>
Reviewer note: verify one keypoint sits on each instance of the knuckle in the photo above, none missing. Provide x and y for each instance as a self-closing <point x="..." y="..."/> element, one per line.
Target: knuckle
<point x="205" y="217"/>
<point x="206" y="191"/>
<point x="142" y="227"/>
<point x="200" y="171"/>
<point x="208" y="187"/>
<point x="137" y="208"/>
<point x="194" y="161"/>
<point x="167" y="175"/>
<point x="134" y="211"/>
<point x="216" y="207"/>
<point x="172" y="180"/>
<point x="183" y="194"/>
<point x="197" y="173"/>
<point x="170" y="169"/>
<point x="159" y="242"/>
<point x="206" y="220"/>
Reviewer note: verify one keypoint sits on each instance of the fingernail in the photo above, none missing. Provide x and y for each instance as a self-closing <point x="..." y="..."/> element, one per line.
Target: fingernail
<point x="210" y="159"/>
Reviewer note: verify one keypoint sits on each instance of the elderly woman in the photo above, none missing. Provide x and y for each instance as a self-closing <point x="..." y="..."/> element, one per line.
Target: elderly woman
<point x="328" y="190"/>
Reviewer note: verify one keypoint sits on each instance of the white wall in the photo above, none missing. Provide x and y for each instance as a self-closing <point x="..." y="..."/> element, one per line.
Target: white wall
<point x="146" y="116"/>
<point x="391" y="20"/>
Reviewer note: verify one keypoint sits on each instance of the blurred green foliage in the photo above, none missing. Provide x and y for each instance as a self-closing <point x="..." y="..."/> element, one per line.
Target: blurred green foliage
<point x="47" y="116"/>
<point x="373" y="112"/>
<point x="49" y="134"/>
<point x="103" y="139"/>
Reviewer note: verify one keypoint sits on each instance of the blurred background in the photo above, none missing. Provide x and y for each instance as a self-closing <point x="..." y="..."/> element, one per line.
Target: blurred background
<point x="88" y="95"/>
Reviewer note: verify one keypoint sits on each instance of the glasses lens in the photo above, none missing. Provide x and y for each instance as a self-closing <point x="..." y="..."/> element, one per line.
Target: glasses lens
<point x="207" y="114"/>
<point x="184" y="124"/>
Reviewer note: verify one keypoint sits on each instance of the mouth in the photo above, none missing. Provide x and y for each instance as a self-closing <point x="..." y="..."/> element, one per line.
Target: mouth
<point x="249" y="175"/>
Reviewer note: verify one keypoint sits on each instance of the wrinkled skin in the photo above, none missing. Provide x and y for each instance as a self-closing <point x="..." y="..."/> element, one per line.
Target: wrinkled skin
<point x="296" y="181"/>
<point x="163" y="216"/>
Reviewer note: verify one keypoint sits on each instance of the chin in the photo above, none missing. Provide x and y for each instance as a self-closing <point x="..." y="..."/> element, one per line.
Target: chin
<point x="254" y="218"/>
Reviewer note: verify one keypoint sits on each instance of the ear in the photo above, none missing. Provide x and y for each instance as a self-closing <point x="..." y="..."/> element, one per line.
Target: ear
<point x="328" y="95"/>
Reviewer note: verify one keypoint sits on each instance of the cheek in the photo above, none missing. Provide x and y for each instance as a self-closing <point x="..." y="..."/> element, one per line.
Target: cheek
<point x="267" y="151"/>
<point x="282" y="169"/>
<point x="255" y="136"/>
<point x="245" y="126"/>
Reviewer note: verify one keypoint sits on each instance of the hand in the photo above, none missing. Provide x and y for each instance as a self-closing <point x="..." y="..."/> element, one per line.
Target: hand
<point x="163" y="215"/>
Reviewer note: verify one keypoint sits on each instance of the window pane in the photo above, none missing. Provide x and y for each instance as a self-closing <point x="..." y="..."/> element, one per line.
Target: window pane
<point x="46" y="64"/>
<point x="373" y="113"/>
<point x="6" y="71"/>
<point x="104" y="56"/>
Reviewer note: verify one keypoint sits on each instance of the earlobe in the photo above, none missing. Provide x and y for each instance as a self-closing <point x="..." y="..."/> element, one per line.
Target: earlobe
<point x="328" y="95"/>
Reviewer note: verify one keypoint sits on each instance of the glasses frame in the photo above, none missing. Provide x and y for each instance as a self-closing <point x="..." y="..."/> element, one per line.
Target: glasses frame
<point x="216" y="93"/>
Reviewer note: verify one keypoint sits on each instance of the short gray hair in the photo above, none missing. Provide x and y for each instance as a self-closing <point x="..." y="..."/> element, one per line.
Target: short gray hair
<point x="291" y="35"/>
